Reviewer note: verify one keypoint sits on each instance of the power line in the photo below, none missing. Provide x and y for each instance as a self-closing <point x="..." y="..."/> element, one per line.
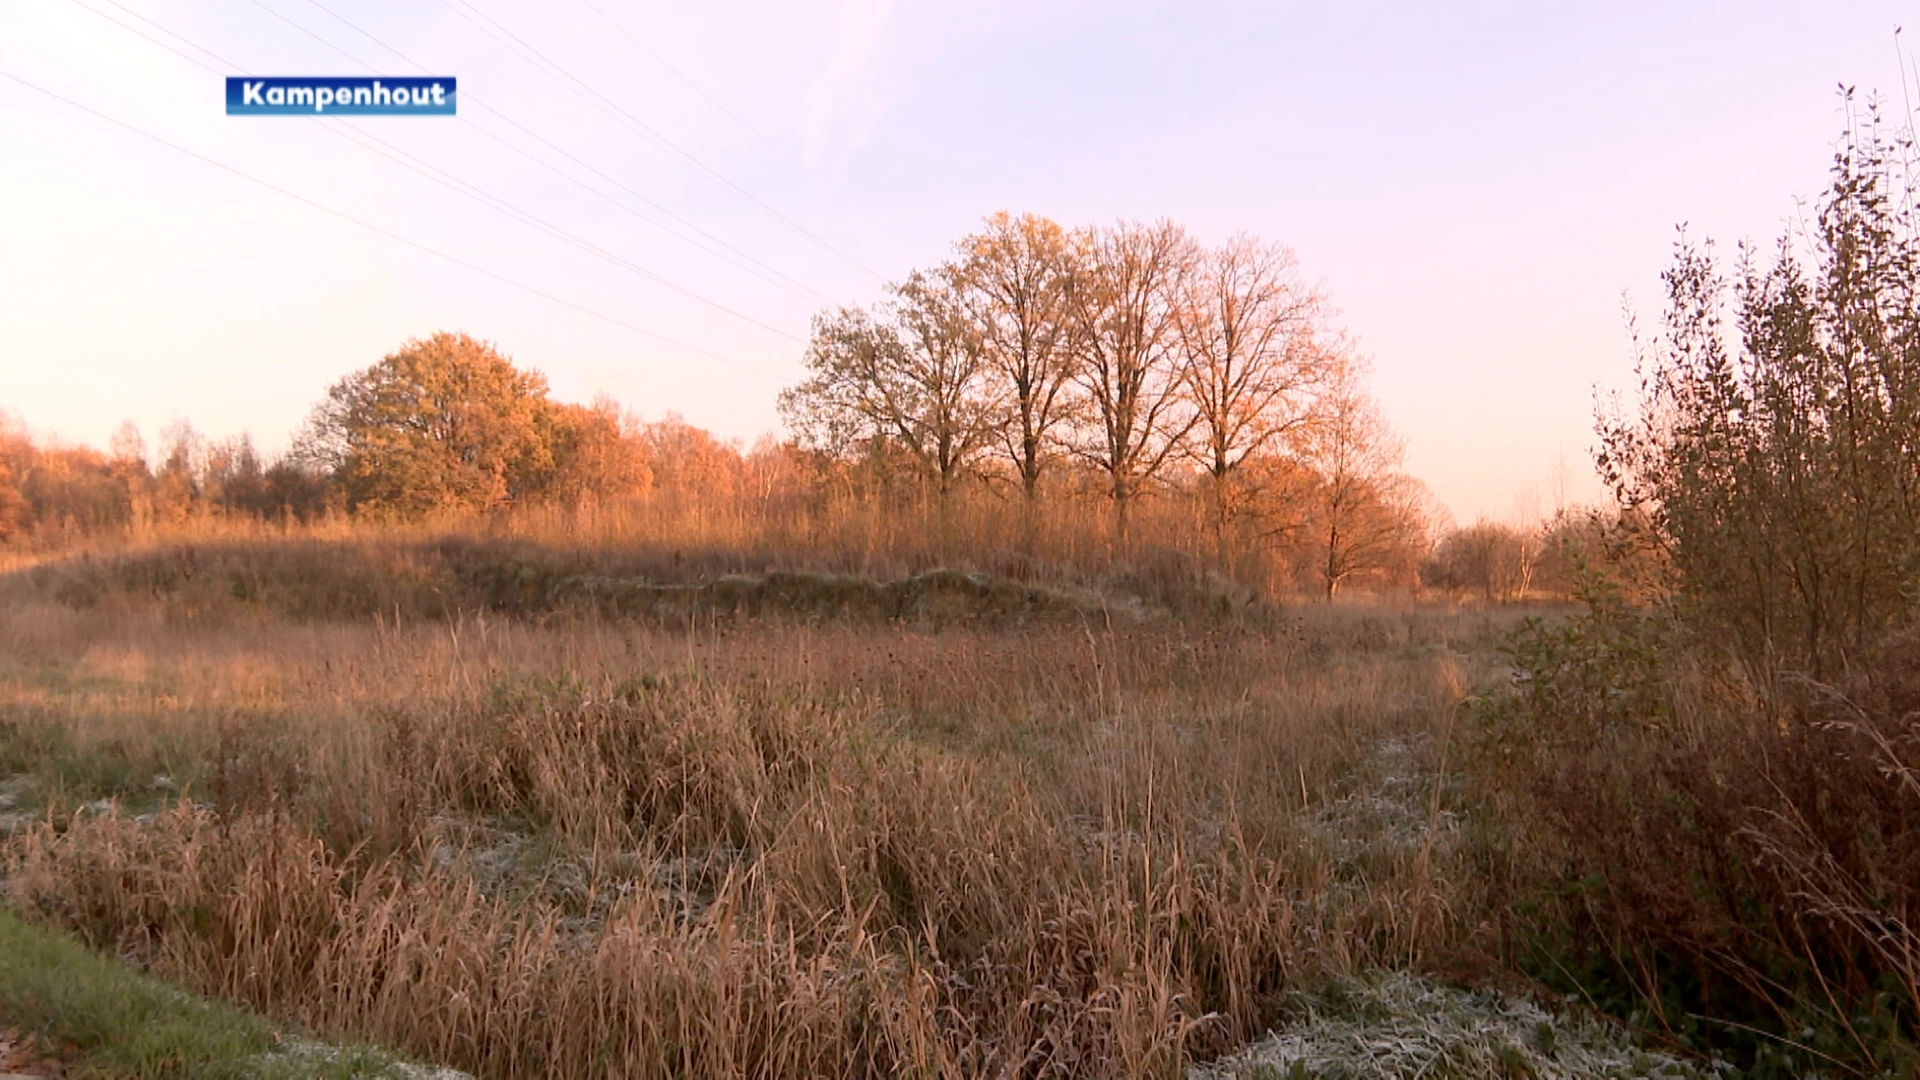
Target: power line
<point x="645" y="128"/>
<point x="316" y="37"/>
<point x="790" y="282"/>
<point x="764" y="273"/>
<point x="184" y="41"/>
<point x="370" y="227"/>
<point x="499" y="205"/>
<point x="451" y="182"/>
<point x="674" y="71"/>
<point x="137" y="33"/>
<point x="356" y="28"/>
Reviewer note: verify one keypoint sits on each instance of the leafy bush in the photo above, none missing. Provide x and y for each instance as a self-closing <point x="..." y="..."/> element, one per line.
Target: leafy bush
<point x="1574" y="678"/>
<point x="1709" y="780"/>
<point x="1778" y="467"/>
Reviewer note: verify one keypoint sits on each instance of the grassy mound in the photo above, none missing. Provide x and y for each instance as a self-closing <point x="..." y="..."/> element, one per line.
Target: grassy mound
<point x="307" y="579"/>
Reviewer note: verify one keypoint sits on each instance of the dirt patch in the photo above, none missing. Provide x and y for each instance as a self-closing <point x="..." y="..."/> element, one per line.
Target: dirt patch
<point x="21" y="1056"/>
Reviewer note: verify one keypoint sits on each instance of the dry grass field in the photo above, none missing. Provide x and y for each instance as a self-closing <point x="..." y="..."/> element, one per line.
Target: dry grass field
<point x="1084" y="842"/>
<point x="529" y="812"/>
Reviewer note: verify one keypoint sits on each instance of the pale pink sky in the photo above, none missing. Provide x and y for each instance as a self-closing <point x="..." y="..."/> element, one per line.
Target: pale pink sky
<point x="1475" y="188"/>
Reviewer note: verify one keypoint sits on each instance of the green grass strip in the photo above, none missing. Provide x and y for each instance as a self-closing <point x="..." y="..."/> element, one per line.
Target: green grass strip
<point x="127" y="1025"/>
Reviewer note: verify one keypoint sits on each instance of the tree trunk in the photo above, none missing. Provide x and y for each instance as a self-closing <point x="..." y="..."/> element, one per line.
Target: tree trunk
<point x="1222" y="513"/>
<point x="1333" y="561"/>
<point x="1029" y="512"/>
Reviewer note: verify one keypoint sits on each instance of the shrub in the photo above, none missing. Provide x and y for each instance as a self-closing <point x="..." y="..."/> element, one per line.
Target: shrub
<point x="1709" y="779"/>
<point x="1734" y="867"/>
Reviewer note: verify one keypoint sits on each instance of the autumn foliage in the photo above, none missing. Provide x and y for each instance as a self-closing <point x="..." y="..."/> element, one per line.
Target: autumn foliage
<point x="1095" y="398"/>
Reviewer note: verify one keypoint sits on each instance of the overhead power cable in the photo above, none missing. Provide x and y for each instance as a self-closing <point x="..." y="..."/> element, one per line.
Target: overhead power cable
<point x="567" y="79"/>
<point x="549" y="144"/>
<point x="370" y="142"/>
<point x="371" y="227"/>
<point x="676" y="72"/>
<point x="740" y="260"/>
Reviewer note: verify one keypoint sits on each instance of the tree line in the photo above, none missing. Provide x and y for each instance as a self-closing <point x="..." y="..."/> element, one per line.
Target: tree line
<point x="1117" y="396"/>
<point x="1132" y="360"/>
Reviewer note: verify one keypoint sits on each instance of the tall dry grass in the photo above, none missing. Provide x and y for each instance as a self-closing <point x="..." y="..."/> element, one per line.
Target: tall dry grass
<point x="594" y="847"/>
<point x="736" y="518"/>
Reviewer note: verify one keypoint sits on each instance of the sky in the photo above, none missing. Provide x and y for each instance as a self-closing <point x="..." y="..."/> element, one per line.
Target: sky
<point x="1483" y="191"/>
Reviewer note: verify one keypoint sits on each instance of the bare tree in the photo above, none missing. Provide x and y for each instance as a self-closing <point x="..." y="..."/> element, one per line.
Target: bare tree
<point x="1250" y="362"/>
<point x="913" y="376"/>
<point x="961" y="411"/>
<point x="1015" y="273"/>
<point x="1124" y="306"/>
<point x="1366" y="514"/>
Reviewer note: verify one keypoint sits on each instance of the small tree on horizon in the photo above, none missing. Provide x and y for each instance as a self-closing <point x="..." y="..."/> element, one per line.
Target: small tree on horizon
<point x="1365" y="514"/>
<point x="912" y="375"/>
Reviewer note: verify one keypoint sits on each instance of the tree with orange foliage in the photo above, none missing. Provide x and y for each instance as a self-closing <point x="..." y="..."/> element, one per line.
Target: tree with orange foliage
<point x="444" y="423"/>
<point x="597" y="453"/>
<point x="912" y="375"/>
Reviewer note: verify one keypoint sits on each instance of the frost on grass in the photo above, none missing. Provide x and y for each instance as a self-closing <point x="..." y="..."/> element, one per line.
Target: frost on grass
<point x="12" y="819"/>
<point x="1398" y="1025"/>
<point x="1392" y="808"/>
<point x="302" y="1058"/>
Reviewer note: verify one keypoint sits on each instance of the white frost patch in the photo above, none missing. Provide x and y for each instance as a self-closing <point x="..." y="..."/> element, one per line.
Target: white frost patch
<point x="13" y="791"/>
<point x="1397" y="817"/>
<point x="297" y="1055"/>
<point x="1399" y="1025"/>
